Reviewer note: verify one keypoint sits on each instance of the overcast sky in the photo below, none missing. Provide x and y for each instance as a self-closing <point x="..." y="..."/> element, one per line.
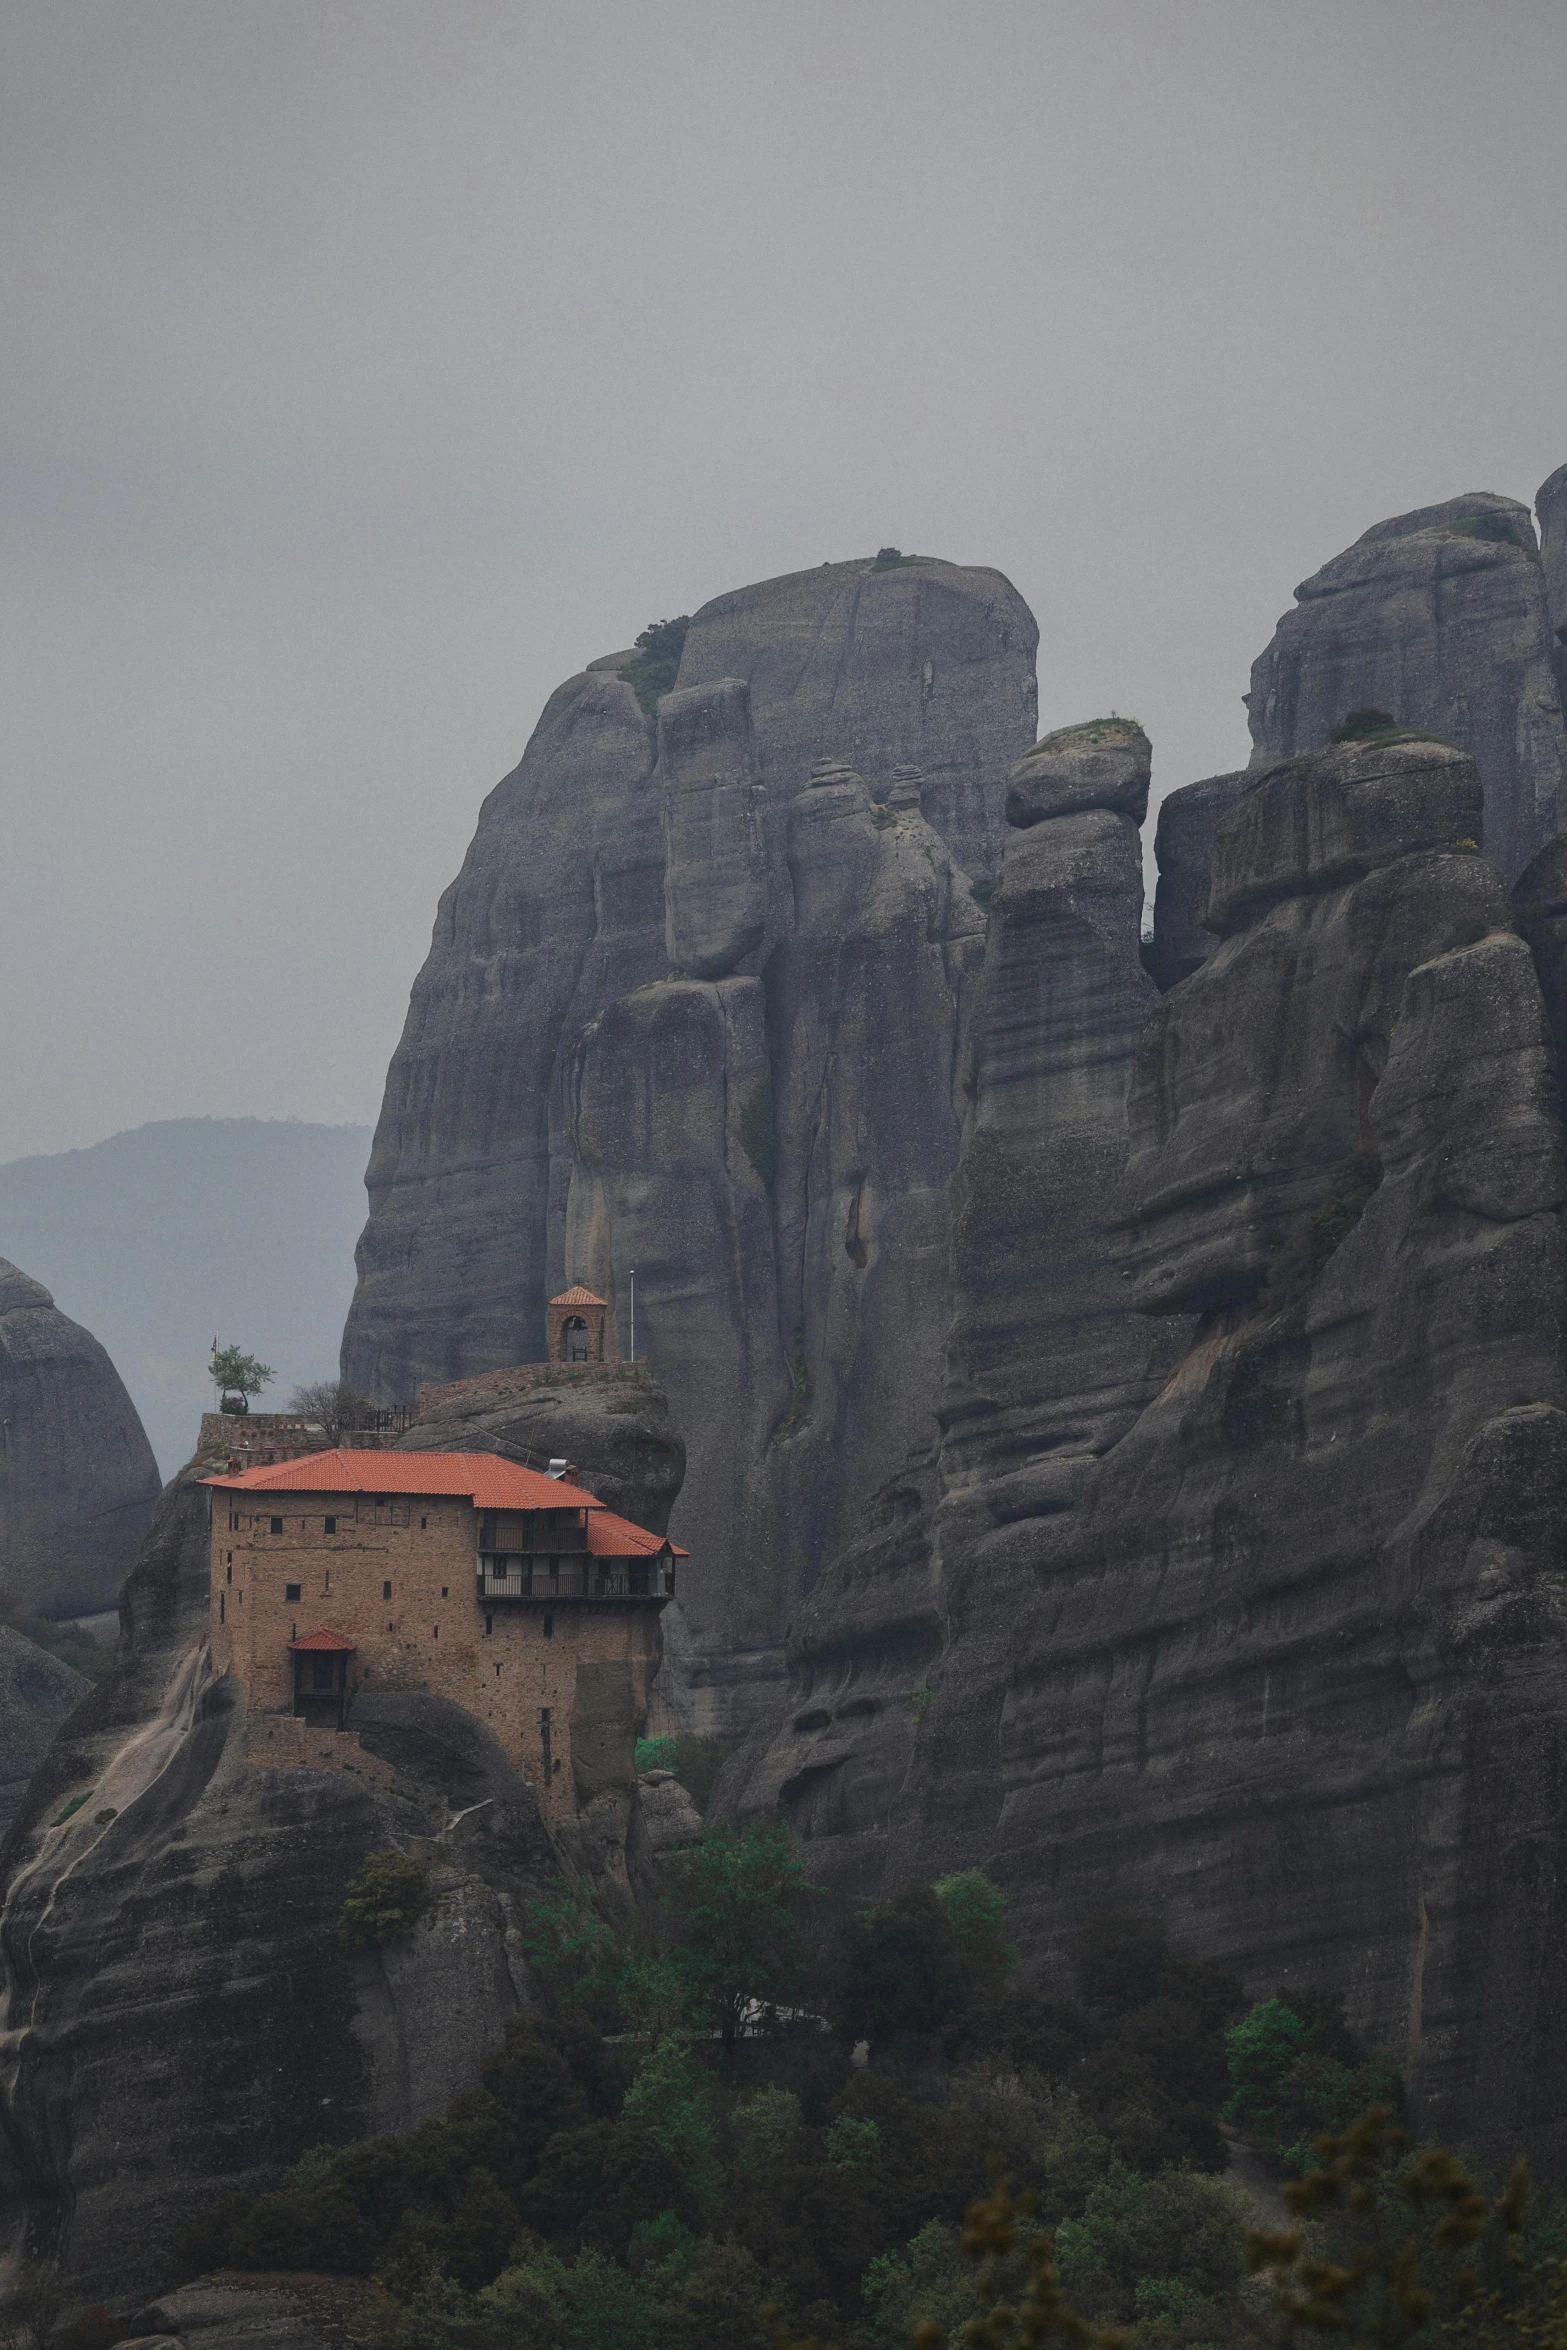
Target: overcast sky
<point x="370" y="368"/>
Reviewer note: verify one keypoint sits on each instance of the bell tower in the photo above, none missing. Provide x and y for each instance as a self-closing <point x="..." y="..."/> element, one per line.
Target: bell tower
<point x="579" y="1327"/>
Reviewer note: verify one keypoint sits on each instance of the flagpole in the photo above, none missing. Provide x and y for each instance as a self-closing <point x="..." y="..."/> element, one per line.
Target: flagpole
<point x="633" y="1314"/>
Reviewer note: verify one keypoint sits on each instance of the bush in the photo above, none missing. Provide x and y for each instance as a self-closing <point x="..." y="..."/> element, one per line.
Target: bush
<point x="652" y="672"/>
<point x="386" y="1897"/>
<point x="1296" y="2070"/>
<point x="975" y="1911"/>
<point x="1363" y="725"/>
<point x="903" y="1973"/>
<point x="1177" y="2228"/>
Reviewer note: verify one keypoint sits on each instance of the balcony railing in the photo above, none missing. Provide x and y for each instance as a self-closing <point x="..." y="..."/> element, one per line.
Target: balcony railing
<point x="510" y="1577"/>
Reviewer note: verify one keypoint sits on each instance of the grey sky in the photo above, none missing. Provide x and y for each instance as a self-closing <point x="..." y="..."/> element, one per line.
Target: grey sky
<point x="370" y="368"/>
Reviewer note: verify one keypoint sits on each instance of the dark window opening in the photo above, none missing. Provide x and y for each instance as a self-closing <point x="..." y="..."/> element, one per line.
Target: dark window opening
<point x="544" y="1740"/>
<point x="323" y="1672"/>
<point x="423" y="1523"/>
<point x="436" y="1634"/>
<point x="386" y="1591"/>
<point x="576" y="1337"/>
<point x="229" y="1572"/>
<point x="293" y="1592"/>
<point x="277" y="1525"/>
<point x="497" y="1672"/>
<point x="489" y="1626"/>
<point x="549" y="1627"/>
<point x="445" y="1594"/>
<point x="221" y="1615"/>
<point x="331" y="1525"/>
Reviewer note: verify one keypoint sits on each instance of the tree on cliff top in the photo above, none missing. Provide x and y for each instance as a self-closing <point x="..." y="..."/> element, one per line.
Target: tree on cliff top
<point x="238" y="1373"/>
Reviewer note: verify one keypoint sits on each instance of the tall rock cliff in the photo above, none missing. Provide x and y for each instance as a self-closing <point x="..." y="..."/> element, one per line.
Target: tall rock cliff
<point x="1441" y="618"/>
<point x="77" y="1478"/>
<point x="1277" y="1652"/>
<point x="694" y="1008"/>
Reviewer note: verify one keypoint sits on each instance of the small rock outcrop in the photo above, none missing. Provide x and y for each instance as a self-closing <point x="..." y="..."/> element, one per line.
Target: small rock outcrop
<point x="612" y="1421"/>
<point x="78" y="1482"/>
<point x="1441" y="619"/>
<point x="1105" y="764"/>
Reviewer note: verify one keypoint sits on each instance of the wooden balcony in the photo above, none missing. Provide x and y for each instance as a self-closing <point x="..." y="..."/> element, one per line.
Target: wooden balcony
<point x="573" y="1577"/>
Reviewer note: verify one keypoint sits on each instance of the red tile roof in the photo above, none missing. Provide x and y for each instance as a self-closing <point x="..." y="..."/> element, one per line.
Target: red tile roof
<point x="489" y="1482"/>
<point x="616" y="1538"/>
<point x="319" y="1640"/>
<point x="576" y="1295"/>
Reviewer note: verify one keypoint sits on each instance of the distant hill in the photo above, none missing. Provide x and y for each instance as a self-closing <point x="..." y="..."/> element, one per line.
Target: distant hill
<point x="163" y="1236"/>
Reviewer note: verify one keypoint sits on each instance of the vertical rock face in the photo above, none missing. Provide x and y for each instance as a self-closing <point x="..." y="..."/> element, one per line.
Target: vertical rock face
<point x="694" y="1007"/>
<point x="558" y="909"/>
<point x="1439" y="617"/>
<point x="715" y="872"/>
<point x="1044" y="1366"/>
<point x="77" y="1478"/>
<point x="1183" y="846"/>
<point x="1273" y="1646"/>
<point x="916" y="664"/>
<point x="37" y="1694"/>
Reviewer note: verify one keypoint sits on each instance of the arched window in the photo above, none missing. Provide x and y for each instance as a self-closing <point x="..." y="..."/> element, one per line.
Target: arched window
<point x="576" y="1337"/>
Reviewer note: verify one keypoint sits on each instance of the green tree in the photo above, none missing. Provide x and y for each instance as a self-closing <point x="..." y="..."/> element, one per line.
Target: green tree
<point x="976" y="1911"/>
<point x="238" y="1373"/>
<point x="574" y="1951"/>
<point x="904" y="1977"/>
<point x="671" y="2099"/>
<point x="736" y="1901"/>
<point x="385" y="1898"/>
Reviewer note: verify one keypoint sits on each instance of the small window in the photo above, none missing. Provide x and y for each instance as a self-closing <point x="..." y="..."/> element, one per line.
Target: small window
<point x="436" y="1634"/>
<point x="293" y="1593"/>
<point x="489" y="1626"/>
<point x="228" y="1572"/>
<point x="331" y="1525"/>
<point x="231" y="1558"/>
<point x="549" y="1627"/>
<point x="386" y="1591"/>
<point x="497" y="1672"/>
<point x="277" y="1525"/>
<point x="221" y="1615"/>
<point x="445" y="1594"/>
<point x="423" y="1524"/>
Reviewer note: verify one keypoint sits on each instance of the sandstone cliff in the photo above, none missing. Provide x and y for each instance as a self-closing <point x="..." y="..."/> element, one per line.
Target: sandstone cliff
<point x="1274" y="1648"/>
<point x="695" y="1007"/>
<point x="1441" y="618"/>
<point x="77" y="1478"/>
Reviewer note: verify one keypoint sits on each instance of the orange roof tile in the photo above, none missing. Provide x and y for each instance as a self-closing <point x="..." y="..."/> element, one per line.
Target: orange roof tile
<point x="576" y="1295"/>
<point x="486" y="1480"/>
<point x="319" y="1640"/>
<point x="616" y="1538"/>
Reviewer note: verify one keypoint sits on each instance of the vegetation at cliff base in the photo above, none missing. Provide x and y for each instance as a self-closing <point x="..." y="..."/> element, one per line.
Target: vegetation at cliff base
<point x="653" y="670"/>
<point x="721" y="2152"/>
<point x="386" y="1897"/>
